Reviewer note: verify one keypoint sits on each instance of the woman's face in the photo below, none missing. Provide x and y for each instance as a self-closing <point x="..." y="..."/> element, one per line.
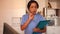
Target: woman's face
<point x="33" y="8"/>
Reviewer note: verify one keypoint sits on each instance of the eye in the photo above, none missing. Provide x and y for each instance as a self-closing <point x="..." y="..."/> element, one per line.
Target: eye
<point x="35" y="6"/>
<point x="32" y="7"/>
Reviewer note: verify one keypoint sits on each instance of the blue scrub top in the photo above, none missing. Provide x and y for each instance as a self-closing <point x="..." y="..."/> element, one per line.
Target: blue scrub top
<point x="32" y="24"/>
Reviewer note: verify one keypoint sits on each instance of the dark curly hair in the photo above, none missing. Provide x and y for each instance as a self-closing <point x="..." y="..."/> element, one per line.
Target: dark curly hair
<point x="30" y="2"/>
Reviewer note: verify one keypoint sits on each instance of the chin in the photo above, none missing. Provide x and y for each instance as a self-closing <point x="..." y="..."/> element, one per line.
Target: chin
<point x="34" y="13"/>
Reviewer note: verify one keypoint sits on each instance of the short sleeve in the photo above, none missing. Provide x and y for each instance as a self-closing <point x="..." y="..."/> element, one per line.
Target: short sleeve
<point x="23" y="20"/>
<point x="42" y="18"/>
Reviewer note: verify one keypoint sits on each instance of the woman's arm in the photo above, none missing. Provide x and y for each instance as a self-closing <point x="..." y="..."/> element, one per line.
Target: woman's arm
<point x="39" y="30"/>
<point x="24" y="26"/>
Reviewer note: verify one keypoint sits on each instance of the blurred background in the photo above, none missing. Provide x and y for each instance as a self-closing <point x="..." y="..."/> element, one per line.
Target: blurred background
<point x="11" y="12"/>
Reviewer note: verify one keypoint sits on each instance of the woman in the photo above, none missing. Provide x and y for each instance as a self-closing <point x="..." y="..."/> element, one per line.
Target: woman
<point x="30" y="20"/>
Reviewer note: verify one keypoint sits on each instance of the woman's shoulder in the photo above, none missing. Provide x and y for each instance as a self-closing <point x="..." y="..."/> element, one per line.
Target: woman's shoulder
<point x="25" y="15"/>
<point x="39" y="14"/>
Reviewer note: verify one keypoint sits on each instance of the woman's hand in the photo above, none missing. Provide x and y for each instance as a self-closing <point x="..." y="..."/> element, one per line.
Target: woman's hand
<point x="39" y="30"/>
<point x="36" y="30"/>
<point x="31" y="16"/>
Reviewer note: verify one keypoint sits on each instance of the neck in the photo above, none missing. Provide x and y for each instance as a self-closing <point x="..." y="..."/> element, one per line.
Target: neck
<point x="33" y="13"/>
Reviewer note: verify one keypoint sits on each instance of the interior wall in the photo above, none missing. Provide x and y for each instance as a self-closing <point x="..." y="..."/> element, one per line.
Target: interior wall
<point x="54" y="5"/>
<point x="58" y="5"/>
<point x="9" y="9"/>
<point x="59" y="13"/>
<point x="42" y="4"/>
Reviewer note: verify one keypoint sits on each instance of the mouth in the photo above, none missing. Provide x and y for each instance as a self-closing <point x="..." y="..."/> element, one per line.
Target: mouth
<point x="34" y="13"/>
